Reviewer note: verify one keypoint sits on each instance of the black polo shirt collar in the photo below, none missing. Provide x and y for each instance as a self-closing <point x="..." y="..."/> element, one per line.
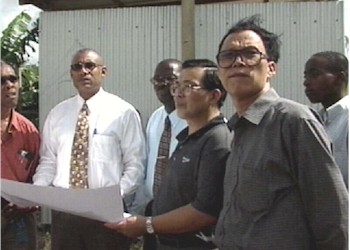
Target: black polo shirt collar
<point x="183" y="135"/>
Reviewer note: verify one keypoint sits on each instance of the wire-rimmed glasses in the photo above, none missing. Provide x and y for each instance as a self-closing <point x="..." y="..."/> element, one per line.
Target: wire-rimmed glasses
<point x="177" y="89"/>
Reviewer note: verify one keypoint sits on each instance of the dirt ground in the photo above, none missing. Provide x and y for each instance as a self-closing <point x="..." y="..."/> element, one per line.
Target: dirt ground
<point x="44" y="239"/>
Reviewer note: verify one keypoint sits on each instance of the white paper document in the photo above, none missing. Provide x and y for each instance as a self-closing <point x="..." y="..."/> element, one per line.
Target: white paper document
<point x="103" y="204"/>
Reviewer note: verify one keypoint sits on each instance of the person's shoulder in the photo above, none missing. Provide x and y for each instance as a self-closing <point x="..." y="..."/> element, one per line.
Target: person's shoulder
<point x="222" y="129"/>
<point x="294" y="109"/>
<point x="113" y="99"/>
<point x="25" y="123"/>
<point x="156" y="116"/>
<point x="219" y="137"/>
<point x="160" y="109"/>
<point x="61" y="110"/>
<point x="64" y="105"/>
<point x="345" y="102"/>
<point x="158" y="112"/>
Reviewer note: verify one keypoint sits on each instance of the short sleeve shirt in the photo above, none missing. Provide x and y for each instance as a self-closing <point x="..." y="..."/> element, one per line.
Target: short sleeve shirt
<point x="20" y="153"/>
<point x="195" y="170"/>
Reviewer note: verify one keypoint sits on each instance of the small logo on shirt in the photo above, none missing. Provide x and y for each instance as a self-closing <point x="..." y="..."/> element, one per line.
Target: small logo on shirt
<point x="185" y="159"/>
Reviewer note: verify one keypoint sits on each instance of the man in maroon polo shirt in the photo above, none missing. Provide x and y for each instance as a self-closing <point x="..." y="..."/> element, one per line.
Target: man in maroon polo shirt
<point x="19" y="157"/>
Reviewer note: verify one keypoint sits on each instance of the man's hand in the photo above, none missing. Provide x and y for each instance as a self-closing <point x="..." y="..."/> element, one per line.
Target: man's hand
<point x="131" y="227"/>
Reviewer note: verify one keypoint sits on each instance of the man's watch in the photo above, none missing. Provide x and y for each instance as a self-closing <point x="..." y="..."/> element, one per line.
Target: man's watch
<point x="149" y="226"/>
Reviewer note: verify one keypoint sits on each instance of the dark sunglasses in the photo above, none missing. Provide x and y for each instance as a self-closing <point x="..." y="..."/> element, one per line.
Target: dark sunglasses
<point x="88" y="65"/>
<point x="12" y="79"/>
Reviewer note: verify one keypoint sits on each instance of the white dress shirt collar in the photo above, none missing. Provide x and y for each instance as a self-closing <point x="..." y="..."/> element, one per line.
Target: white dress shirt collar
<point x="333" y="111"/>
<point x="93" y="102"/>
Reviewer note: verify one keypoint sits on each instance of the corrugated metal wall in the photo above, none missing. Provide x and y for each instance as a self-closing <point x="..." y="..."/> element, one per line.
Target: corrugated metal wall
<point x="133" y="40"/>
<point x="346" y="15"/>
<point x="305" y="28"/>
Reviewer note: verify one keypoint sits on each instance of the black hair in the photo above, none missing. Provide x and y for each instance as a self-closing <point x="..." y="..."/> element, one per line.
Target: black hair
<point x="14" y="67"/>
<point x="271" y="41"/>
<point x="170" y="61"/>
<point x="336" y="62"/>
<point x="210" y="80"/>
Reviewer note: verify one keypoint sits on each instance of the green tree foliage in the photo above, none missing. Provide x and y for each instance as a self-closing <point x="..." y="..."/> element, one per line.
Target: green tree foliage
<point x="19" y="37"/>
<point x="29" y="97"/>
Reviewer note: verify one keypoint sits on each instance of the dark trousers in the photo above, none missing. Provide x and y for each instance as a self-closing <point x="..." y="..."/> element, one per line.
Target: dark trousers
<point x="149" y="240"/>
<point x="70" y="232"/>
<point x="19" y="233"/>
<point x="163" y="247"/>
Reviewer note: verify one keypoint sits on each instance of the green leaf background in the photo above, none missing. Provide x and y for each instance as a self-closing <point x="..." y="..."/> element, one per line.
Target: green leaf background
<point x="17" y="39"/>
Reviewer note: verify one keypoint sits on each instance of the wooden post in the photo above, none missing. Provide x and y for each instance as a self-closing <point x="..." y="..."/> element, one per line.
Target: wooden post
<point x="188" y="29"/>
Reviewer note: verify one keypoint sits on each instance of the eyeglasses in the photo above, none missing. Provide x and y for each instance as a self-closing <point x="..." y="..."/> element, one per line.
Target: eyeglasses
<point x="176" y="89"/>
<point x="163" y="81"/>
<point x="90" y="66"/>
<point x="226" y="58"/>
<point x="10" y="78"/>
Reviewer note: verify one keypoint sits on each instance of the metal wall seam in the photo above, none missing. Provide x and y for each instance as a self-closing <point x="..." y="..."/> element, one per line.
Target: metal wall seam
<point x="133" y="40"/>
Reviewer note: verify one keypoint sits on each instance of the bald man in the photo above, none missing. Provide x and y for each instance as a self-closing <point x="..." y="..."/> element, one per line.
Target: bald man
<point x="116" y="152"/>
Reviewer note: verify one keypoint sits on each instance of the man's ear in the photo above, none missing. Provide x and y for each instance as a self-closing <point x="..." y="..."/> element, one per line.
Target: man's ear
<point x="216" y="95"/>
<point x="341" y="77"/>
<point x="272" y="67"/>
<point x="104" y="70"/>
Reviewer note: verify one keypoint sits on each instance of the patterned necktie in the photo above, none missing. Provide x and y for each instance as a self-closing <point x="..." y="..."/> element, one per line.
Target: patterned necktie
<point x="163" y="155"/>
<point x="80" y="149"/>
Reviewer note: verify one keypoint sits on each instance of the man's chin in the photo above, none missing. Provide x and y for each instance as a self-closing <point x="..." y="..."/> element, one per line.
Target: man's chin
<point x="9" y="105"/>
<point x="87" y="92"/>
<point x="86" y="83"/>
<point x="166" y="100"/>
<point x="12" y="101"/>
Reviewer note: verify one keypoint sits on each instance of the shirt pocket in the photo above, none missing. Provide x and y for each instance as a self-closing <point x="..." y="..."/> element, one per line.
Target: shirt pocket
<point x="103" y="148"/>
<point x="253" y="190"/>
<point x="23" y="159"/>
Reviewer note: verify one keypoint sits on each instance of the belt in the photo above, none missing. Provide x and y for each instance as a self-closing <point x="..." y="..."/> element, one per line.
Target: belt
<point x="182" y="243"/>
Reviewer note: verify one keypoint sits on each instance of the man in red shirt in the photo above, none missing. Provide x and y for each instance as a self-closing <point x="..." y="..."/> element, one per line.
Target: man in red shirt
<point x="19" y="157"/>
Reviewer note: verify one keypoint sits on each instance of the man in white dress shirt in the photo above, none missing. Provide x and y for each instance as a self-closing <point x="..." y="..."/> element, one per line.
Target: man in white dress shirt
<point x="166" y="72"/>
<point x="116" y="152"/>
<point x="326" y="82"/>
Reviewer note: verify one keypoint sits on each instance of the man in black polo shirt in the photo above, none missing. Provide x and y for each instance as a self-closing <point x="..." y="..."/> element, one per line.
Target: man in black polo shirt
<point x="190" y="196"/>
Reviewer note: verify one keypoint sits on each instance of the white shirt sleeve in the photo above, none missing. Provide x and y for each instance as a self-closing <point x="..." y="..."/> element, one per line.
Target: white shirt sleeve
<point x="46" y="171"/>
<point x="133" y="152"/>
